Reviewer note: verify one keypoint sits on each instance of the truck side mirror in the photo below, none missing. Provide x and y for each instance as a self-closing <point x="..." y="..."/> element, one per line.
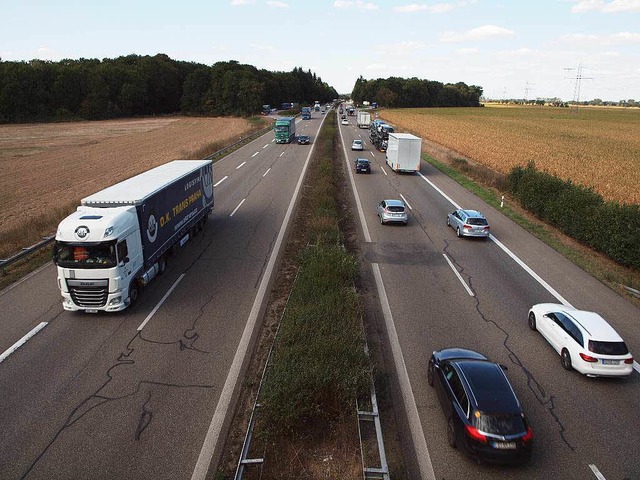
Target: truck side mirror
<point x="54" y="252"/>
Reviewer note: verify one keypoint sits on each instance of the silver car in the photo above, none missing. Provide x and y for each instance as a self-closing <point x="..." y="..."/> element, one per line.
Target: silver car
<point x="468" y="223"/>
<point x="392" y="211"/>
<point x="357" y="145"/>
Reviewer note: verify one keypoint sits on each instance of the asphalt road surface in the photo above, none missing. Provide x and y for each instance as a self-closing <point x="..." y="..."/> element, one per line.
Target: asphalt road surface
<point x="142" y="394"/>
<point x="438" y="291"/>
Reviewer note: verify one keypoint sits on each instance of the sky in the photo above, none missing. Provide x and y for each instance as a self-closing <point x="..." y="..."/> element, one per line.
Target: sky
<point x="511" y="48"/>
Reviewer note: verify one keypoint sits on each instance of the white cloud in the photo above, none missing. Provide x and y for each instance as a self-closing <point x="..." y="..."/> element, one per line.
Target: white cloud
<point x="359" y="4"/>
<point x="414" y="7"/>
<point x="442" y="7"/>
<point x="481" y="33"/>
<point x="468" y="51"/>
<point x="242" y="2"/>
<point x="278" y="4"/>
<point x="614" y="6"/>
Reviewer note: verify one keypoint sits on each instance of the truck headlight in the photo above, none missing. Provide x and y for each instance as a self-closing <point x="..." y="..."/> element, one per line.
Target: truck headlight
<point x="115" y="300"/>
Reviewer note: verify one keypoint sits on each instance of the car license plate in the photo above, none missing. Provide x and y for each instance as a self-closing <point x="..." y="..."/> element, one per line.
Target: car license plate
<point x="91" y="310"/>
<point x="610" y="362"/>
<point x="504" y="445"/>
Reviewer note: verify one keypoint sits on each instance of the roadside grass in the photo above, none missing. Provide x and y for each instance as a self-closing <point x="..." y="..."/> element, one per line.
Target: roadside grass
<point x="605" y="270"/>
<point x="307" y="421"/>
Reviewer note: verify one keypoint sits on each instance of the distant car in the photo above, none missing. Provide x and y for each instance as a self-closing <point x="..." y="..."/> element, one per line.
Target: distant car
<point x="584" y="340"/>
<point x="484" y="417"/>
<point x="303" y="139"/>
<point x="357" y="145"/>
<point x="343" y="116"/>
<point x="468" y="223"/>
<point x="344" y="121"/>
<point x="392" y="211"/>
<point x="363" y="165"/>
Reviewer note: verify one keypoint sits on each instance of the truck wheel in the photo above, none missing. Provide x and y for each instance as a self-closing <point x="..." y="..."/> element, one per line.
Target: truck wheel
<point x="162" y="265"/>
<point x="134" y="292"/>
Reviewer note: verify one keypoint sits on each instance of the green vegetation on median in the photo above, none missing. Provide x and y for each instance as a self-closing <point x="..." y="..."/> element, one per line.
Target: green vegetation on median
<point x="318" y="366"/>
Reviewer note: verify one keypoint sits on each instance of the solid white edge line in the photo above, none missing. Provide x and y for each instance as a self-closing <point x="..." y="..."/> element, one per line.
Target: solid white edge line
<point x="240" y="166"/>
<point x="515" y="258"/>
<point x="157" y="307"/>
<point x="466" y="287"/>
<point x="413" y="416"/>
<point x="221" y="180"/>
<point x="239" y="205"/>
<point x="22" y="341"/>
<point x="363" y="223"/>
<point x="255" y="154"/>
<point x="596" y="472"/>
<point x="405" y="201"/>
<point x="215" y="427"/>
<point x="265" y="173"/>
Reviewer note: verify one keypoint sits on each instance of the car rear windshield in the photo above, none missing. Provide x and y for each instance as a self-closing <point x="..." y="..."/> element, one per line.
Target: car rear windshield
<point x="500" y="424"/>
<point x="477" y="221"/>
<point x="393" y="208"/>
<point x="608" y="348"/>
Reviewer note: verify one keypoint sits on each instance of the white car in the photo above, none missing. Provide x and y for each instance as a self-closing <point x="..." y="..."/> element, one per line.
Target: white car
<point x="584" y="340"/>
<point x="357" y="145"/>
<point x="344" y="121"/>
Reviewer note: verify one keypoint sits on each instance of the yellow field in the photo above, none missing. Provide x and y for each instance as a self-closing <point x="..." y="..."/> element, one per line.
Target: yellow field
<point x="596" y="147"/>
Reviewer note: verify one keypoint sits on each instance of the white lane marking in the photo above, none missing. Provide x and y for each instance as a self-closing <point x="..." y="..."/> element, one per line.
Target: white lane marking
<point x="157" y="307"/>
<point x="265" y="146"/>
<point x="596" y="472"/>
<point x="221" y="180"/>
<point x="273" y="140"/>
<point x="405" y="201"/>
<point x="466" y="287"/>
<point x="363" y="223"/>
<point x="515" y="258"/>
<point x="240" y="166"/>
<point x="265" y="173"/>
<point x="383" y="170"/>
<point x="413" y="416"/>
<point x="215" y="427"/>
<point x="239" y="205"/>
<point x="372" y="154"/>
<point x="22" y="341"/>
<point x="280" y="154"/>
<point x="254" y="154"/>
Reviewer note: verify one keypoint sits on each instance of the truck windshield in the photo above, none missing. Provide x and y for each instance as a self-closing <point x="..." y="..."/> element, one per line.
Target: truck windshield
<point x="90" y="255"/>
<point x="282" y="128"/>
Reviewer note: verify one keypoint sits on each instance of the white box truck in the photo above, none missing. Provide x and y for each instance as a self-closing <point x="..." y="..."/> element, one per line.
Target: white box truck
<point x="118" y="239"/>
<point x="403" y="152"/>
<point x="364" y="119"/>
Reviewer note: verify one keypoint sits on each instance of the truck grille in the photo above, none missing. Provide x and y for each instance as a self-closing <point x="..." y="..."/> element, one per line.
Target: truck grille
<point x="89" y="293"/>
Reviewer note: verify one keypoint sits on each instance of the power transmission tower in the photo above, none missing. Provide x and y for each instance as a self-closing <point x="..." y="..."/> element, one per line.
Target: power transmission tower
<point x="576" y="89"/>
<point x="527" y="88"/>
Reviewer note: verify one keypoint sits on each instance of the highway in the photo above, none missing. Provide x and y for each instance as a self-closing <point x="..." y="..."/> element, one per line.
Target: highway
<point x="435" y="290"/>
<point x="144" y="394"/>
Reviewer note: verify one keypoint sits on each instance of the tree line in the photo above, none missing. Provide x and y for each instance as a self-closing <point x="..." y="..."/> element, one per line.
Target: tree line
<point x="134" y="85"/>
<point x="414" y="92"/>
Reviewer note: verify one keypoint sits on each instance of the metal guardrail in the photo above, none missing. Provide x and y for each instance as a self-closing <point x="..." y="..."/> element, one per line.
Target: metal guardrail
<point x="25" y="252"/>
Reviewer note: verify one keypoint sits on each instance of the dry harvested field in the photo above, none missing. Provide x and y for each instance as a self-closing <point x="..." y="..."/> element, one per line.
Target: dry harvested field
<point x="45" y="169"/>
<point x="596" y="147"/>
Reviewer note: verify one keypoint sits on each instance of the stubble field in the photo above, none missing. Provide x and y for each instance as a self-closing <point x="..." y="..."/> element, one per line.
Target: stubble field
<point x="596" y="147"/>
<point x="45" y="169"/>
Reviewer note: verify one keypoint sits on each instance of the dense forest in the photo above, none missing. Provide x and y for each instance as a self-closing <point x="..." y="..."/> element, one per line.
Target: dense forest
<point x="39" y="91"/>
<point x="414" y="92"/>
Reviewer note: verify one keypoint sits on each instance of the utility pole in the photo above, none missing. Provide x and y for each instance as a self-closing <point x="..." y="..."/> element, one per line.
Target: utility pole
<point x="576" y="89"/>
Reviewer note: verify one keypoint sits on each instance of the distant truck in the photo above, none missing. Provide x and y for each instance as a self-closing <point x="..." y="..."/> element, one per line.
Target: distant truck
<point x="306" y="113"/>
<point x="364" y="119"/>
<point x="403" y="152"/>
<point x="351" y="111"/>
<point x="119" y="238"/>
<point x="316" y="106"/>
<point x="285" y="129"/>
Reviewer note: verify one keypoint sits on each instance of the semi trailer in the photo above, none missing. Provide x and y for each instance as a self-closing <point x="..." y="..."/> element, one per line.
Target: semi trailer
<point x="119" y="238"/>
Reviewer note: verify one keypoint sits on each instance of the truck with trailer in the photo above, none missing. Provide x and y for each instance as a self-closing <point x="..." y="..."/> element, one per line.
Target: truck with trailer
<point x="364" y="119"/>
<point x="379" y="134"/>
<point x="403" y="152"/>
<point x="119" y="238"/>
<point x="285" y="129"/>
<point x="306" y="113"/>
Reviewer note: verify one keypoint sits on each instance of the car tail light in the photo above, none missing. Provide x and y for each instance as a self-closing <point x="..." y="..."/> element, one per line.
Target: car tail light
<point x="628" y="360"/>
<point x="528" y="436"/>
<point x="466" y="227"/>
<point x="588" y="358"/>
<point x="487" y="227"/>
<point x="474" y="433"/>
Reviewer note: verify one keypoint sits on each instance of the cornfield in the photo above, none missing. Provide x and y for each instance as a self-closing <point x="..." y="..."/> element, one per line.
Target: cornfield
<point x="596" y="147"/>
